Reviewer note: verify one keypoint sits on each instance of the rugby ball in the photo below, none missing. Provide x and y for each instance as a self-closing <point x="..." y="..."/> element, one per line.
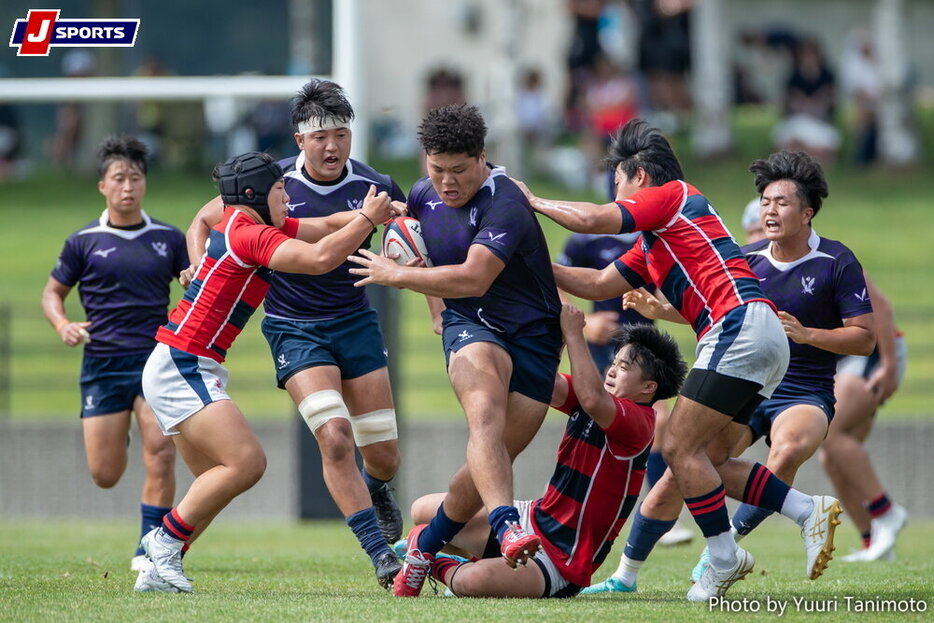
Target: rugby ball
<point x="402" y="237"/>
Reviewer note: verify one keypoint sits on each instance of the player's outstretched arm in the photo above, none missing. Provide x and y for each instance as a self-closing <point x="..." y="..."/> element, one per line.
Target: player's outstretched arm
<point x="579" y="216"/>
<point x="296" y="256"/>
<point x="589" y="283"/>
<point x="654" y="306"/>
<point x="588" y="384"/>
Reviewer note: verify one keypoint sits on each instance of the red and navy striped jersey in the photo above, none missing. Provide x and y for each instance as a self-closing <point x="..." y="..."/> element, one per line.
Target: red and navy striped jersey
<point x="231" y="282"/>
<point x="597" y="480"/>
<point x="688" y="253"/>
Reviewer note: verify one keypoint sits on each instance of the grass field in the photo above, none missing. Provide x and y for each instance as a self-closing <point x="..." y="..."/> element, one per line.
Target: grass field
<point x="316" y="572"/>
<point x="883" y="216"/>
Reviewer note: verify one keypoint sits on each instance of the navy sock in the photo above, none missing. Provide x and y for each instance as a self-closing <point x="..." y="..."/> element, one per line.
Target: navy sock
<point x="364" y="526"/>
<point x="498" y="518"/>
<point x="764" y="489"/>
<point x="644" y="534"/>
<point x="656" y="467"/>
<point x="438" y="533"/>
<point x="709" y="511"/>
<point x="373" y="484"/>
<point x="747" y="517"/>
<point x="151" y="519"/>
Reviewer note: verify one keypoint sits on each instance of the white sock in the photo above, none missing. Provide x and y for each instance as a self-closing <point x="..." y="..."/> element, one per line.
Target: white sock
<point x="628" y="570"/>
<point x="797" y="506"/>
<point x="722" y="550"/>
<point x="736" y="535"/>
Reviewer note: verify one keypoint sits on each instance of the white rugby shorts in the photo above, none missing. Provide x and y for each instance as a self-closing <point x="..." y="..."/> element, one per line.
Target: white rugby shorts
<point x="747" y="343"/>
<point x="177" y="385"/>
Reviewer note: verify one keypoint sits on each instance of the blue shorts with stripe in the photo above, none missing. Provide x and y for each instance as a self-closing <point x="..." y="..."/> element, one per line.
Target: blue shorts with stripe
<point x="353" y="343"/>
<point x="110" y="384"/>
<point x="785" y="396"/>
<point x="535" y="358"/>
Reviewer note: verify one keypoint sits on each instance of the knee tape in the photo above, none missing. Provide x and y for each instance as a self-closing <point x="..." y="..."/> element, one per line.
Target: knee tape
<point x="373" y="427"/>
<point x="319" y="407"/>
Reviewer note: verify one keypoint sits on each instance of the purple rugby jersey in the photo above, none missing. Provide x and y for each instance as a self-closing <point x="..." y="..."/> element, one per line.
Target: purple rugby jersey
<point x="820" y="290"/>
<point x="523" y="300"/>
<point x="331" y="295"/>
<point x="123" y="278"/>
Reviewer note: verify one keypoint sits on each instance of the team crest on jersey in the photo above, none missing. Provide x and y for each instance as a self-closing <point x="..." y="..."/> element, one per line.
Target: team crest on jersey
<point x="807" y="285"/>
<point x="161" y="248"/>
<point x="354" y="204"/>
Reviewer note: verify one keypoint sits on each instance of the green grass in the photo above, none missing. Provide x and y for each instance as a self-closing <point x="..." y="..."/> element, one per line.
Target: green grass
<point x="882" y="215"/>
<point x="56" y="571"/>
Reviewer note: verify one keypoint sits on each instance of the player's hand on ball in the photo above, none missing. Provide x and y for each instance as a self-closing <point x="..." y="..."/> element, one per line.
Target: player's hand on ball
<point x="376" y="206"/>
<point x="796" y="332"/>
<point x="373" y="268"/>
<point x="399" y="208"/>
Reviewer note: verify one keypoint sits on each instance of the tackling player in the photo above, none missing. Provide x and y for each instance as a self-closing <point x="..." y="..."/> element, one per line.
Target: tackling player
<point x="689" y="255"/>
<point x="324" y="336"/>
<point x="605" y="446"/>
<point x="184" y="380"/>
<point x="500" y="328"/>
<point x="818" y="286"/>
<point x="123" y="264"/>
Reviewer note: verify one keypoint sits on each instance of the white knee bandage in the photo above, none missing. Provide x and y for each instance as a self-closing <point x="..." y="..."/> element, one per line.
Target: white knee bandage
<point x="319" y="407"/>
<point x="374" y="427"/>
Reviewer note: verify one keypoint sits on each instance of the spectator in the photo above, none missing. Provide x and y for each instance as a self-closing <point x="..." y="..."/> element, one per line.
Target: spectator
<point x="861" y="83"/>
<point x="808" y="108"/>
<point x="535" y="118"/>
<point x="70" y="116"/>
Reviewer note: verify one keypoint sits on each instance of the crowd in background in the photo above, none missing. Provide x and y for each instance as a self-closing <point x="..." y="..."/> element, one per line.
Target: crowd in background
<point x="625" y="59"/>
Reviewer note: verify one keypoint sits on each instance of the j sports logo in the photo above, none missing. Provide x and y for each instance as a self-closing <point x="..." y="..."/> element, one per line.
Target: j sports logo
<point x="42" y="30"/>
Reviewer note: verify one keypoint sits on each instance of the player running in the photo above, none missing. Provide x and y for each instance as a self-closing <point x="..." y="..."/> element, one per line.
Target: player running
<point x="123" y="264"/>
<point x="501" y="333"/>
<point x="689" y="255"/>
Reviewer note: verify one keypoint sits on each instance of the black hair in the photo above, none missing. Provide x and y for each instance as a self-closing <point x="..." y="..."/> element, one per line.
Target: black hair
<point x="636" y="145"/>
<point x="322" y="101"/>
<point x="123" y="147"/>
<point x="797" y="167"/>
<point x="455" y="129"/>
<point x="657" y="354"/>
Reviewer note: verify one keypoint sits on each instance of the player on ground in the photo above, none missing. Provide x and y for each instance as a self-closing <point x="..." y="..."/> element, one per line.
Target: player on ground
<point x="863" y="384"/>
<point x="605" y="444"/>
<point x="324" y="336"/>
<point x="742" y="353"/>
<point x="184" y="380"/>
<point x="818" y="286"/>
<point x="501" y="332"/>
<point x="123" y="264"/>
